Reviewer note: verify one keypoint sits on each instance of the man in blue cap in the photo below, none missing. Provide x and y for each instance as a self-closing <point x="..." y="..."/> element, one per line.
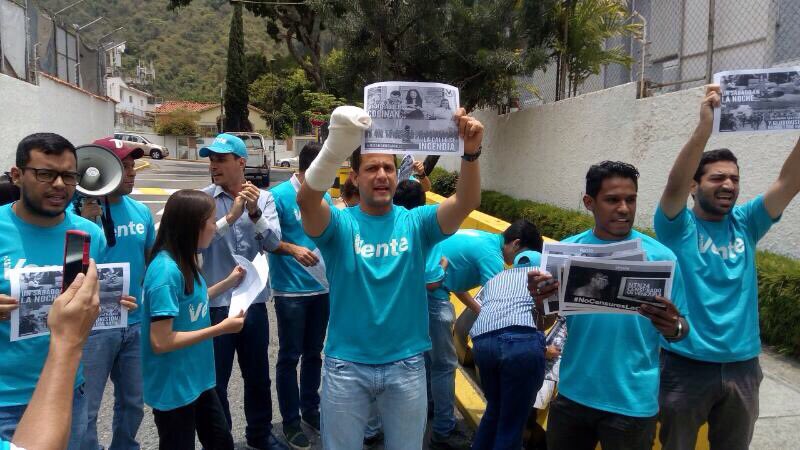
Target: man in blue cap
<point x="244" y="235"/>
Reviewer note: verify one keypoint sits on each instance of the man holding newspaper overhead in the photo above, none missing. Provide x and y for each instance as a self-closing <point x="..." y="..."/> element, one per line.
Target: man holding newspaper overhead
<point x="608" y="388"/>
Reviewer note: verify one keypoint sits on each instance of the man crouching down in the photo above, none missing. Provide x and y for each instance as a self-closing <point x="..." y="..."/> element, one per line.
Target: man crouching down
<point x="377" y="333"/>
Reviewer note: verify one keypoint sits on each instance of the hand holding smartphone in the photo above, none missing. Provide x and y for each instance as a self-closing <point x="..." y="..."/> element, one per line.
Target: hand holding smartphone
<point x="76" y="256"/>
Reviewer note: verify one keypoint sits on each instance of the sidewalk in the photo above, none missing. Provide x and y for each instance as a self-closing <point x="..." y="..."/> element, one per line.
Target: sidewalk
<point x="778" y="424"/>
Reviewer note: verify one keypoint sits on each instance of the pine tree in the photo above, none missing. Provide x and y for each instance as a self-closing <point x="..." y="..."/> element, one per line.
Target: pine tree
<point x="236" y="89"/>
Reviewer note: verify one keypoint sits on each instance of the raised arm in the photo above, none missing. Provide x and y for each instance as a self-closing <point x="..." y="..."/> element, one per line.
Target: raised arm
<point x="786" y="187"/>
<point x="679" y="183"/>
<point x="467" y="198"/>
<point x="347" y="126"/>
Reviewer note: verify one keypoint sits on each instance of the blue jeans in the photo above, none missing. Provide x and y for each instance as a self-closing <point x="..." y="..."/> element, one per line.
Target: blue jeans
<point x="398" y="390"/>
<point x="11" y="415"/>
<point x="251" y="344"/>
<point x="441" y="362"/>
<point x="115" y="353"/>
<point x="302" y="322"/>
<point x="511" y="367"/>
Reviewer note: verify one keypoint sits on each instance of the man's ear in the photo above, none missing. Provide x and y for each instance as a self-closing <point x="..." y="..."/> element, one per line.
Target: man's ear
<point x="353" y="177"/>
<point x="16" y="174"/>
<point x="588" y="202"/>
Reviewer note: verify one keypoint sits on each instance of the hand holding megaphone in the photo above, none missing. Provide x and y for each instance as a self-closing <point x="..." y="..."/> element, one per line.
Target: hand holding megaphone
<point x="101" y="174"/>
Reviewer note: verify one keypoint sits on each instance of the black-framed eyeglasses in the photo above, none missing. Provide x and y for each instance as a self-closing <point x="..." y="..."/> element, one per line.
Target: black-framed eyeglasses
<point x="49" y="176"/>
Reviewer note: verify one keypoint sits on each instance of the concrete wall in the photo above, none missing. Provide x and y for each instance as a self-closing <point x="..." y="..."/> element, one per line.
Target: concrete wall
<point x="543" y="153"/>
<point x="51" y="106"/>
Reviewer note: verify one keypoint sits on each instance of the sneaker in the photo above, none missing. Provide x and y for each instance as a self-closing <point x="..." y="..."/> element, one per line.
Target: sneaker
<point x="456" y="440"/>
<point x="312" y="420"/>
<point x="370" y="441"/>
<point x="271" y="443"/>
<point x="295" y="436"/>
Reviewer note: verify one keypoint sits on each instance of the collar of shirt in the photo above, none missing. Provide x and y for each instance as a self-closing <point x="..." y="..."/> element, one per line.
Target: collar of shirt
<point x="295" y="183"/>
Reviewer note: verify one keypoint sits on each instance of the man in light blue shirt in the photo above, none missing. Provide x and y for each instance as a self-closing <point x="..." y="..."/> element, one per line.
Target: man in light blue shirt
<point x="116" y="352"/>
<point x="301" y="305"/>
<point x="246" y="235"/>
<point x="608" y="385"/>
<point x="714" y="376"/>
<point x="33" y="231"/>
<point x="375" y="257"/>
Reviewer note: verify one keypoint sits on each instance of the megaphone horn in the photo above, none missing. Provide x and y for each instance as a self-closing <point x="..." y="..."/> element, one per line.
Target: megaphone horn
<point x="100" y="169"/>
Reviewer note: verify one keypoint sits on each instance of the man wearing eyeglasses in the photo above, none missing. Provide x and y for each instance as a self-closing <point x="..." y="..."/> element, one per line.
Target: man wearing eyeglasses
<point x="33" y="230"/>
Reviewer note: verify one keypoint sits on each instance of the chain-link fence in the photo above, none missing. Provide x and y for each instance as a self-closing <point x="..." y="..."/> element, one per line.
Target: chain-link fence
<point x="31" y="41"/>
<point x="679" y="50"/>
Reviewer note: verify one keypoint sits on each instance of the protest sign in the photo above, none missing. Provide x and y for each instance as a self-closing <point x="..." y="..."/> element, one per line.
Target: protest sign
<point x="406" y="167"/>
<point x="413" y="118"/>
<point x="594" y="285"/>
<point x="758" y="100"/>
<point x="37" y="287"/>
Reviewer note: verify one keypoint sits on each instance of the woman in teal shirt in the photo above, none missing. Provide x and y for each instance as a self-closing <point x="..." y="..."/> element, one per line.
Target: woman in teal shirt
<point x="177" y="349"/>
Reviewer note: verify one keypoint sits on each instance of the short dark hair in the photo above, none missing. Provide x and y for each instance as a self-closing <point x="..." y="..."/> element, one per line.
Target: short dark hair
<point x="308" y="154"/>
<point x="355" y="160"/>
<point x="609" y="169"/>
<point x="712" y="156"/>
<point x="526" y="232"/>
<point x="48" y="143"/>
<point x="409" y="194"/>
<point x="184" y="216"/>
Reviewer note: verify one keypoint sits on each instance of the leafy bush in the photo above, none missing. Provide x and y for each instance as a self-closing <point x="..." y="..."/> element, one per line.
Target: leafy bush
<point x="443" y="182"/>
<point x="177" y="123"/>
<point x="778" y="276"/>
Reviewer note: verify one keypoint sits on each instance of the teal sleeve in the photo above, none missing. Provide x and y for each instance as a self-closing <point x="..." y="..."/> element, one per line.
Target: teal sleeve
<point x="754" y="214"/>
<point x="163" y="301"/>
<point x="431" y="230"/>
<point x="675" y="229"/>
<point x="332" y="229"/>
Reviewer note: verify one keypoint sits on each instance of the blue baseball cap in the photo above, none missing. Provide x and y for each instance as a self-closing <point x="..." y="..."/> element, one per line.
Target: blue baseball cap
<point x="225" y="143"/>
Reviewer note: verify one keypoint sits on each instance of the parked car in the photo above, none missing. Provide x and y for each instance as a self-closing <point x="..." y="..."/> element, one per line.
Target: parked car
<point x="150" y="149"/>
<point x="257" y="167"/>
<point x="289" y="162"/>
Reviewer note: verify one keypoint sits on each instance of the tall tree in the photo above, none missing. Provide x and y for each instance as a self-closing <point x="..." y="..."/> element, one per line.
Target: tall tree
<point x="236" y="89"/>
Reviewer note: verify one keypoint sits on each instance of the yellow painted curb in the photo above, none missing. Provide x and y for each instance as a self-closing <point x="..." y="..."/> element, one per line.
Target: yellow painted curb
<point x="142" y="166"/>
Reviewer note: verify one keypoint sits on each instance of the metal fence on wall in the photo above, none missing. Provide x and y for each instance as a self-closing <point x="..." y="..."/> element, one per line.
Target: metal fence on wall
<point x="31" y="41"/>
<point x="686" y="42"/>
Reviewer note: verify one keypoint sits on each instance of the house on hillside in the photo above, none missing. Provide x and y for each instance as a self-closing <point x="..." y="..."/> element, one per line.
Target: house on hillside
<point x="135" y="107"/>
<point x="209" y="115"/>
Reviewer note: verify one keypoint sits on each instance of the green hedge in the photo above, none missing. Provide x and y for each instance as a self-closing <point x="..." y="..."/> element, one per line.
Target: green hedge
<point x="778" y="276"/>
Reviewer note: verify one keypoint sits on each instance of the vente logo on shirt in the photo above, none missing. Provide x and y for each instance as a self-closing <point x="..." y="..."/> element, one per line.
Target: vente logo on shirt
<point x="130" y="229"/>
<point x="393" y="248"/>
<point x="200" y="311"/>
<point x="729" y="252"/>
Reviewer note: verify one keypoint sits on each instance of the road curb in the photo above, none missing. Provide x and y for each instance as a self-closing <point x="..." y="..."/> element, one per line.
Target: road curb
<point x="142" y="166"/>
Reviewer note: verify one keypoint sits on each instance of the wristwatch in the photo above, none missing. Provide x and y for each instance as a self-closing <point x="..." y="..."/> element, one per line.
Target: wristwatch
<point x="472" y="157"/>
<point x="255" y="216"/>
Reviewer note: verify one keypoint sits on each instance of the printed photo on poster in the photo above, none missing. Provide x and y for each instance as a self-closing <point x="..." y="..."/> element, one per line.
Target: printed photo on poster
<point x="758" y="100"/>
<point x="412" y="118"/>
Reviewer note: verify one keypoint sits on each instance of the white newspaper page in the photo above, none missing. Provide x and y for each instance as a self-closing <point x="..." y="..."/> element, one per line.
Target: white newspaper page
<point x="758" y="100"/>
<point x="37" y="287"/>
<point x="412" y="118"/>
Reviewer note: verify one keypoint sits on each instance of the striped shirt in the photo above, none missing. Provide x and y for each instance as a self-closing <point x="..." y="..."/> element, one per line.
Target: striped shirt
<point x="505" y="302"/>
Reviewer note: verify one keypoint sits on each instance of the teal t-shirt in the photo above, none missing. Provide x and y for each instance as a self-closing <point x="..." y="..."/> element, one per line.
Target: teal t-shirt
<point x="611" y="361"/>
<point x="376" y="269"/>
<point x="287" y="276"/>
<point x="174" y="379"/>
<point x="136" y="234"/>
<point x="433" y="265"/>
<point x="474" y="257"/>
<point x="5" y="445"/>
<point x="26" y="245"/>
<point x="528" y="258"/>
<point x="718" y="260"/>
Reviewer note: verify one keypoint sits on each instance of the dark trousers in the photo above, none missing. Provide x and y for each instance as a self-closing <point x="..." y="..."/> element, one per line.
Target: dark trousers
<point x="694" y="392"/>
<point x="572" y="426"/>
<point x="511" y="366"/>
<point x="251" y="345"/>
<point x="302" y="322"/>
<point x="177" y="427"/>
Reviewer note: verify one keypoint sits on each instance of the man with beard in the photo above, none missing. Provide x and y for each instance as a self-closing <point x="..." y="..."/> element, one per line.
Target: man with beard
<point x="714" y="375"/>
<point x="117" y="352"/>
<point x="377" y="333"/>
<point x="609" y="393"/>
<point x="33" y="231"/>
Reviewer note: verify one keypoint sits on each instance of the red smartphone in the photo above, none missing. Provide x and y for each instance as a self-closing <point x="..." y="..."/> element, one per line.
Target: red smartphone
<point x="76" y="256"/>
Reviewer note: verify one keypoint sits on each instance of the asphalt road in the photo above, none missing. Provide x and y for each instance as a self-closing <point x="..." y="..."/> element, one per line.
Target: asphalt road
<point x="153" y="186"/>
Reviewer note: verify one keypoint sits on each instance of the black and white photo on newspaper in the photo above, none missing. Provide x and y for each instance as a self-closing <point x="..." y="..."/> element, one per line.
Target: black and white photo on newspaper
<point x="594" y="285"/>
<point x="37" y="287"/>
<point x="556" y="254"/>
<point x="412" y="118"/>
<point x="758" y="100"/>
